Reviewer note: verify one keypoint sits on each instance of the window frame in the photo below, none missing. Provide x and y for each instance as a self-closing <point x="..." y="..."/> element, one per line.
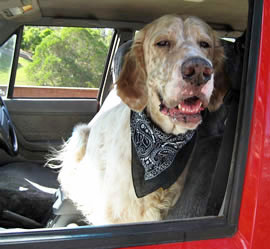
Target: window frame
<point x="150" y="233"/>
<point x="11" y="85"/>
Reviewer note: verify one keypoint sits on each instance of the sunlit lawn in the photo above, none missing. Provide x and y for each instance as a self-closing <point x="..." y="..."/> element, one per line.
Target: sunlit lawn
<point x="21" y="76"/>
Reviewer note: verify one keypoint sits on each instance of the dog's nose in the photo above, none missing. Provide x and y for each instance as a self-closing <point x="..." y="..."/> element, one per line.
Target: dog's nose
<point x="196" y="70"/>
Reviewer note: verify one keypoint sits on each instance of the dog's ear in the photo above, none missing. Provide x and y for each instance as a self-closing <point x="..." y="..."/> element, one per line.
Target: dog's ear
<point x="221" y="83"/>
<point x="131" y="85"/>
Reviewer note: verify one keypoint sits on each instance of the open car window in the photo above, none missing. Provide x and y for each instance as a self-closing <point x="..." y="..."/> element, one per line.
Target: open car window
<point x="53" y="62"/>
<point x="58" y="63"/>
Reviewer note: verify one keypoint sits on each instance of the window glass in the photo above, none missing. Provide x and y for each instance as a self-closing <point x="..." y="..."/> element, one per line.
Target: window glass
<point x="6" y="59"/>
<point x="61" y="61"/>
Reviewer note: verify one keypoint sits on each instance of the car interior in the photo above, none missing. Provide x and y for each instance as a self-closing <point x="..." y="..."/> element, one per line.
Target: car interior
<point x="31" y="127"/>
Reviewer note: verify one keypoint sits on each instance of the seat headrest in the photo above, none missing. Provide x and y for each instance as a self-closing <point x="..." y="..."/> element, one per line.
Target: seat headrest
<point x="119" y="59"/>
<point x="234" y="53"/>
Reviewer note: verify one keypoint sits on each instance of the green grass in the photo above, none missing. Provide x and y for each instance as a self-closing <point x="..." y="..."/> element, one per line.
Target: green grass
<point x="4" y="77"/>
<point x="21" y="76"/>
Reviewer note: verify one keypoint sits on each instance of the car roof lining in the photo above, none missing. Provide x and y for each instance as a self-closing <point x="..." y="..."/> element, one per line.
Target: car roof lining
<point x="225" y="13"/>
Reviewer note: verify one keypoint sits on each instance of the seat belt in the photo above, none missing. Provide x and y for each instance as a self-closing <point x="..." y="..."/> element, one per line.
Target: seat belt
<point x="223" y="165"/>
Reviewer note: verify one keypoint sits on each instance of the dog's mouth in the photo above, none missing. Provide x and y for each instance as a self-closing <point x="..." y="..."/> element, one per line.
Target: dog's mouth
<point x="188" y="110"/>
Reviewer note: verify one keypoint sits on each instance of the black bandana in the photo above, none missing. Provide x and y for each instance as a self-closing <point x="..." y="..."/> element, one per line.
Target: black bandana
<point x="157" y="158"/>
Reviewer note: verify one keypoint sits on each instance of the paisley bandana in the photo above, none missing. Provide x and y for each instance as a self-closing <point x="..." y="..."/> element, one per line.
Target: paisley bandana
<point x="154" y="154"/>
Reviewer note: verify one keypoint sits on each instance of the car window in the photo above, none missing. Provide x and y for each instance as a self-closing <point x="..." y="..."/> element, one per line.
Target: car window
<point x="6" y="59"/>
<point x="61" y="61"/>
<point x="202" y="229"/>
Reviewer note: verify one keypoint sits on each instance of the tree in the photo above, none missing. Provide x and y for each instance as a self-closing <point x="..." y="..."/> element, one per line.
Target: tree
<point x="33" y="36"/>
<point x="71" y="57"/>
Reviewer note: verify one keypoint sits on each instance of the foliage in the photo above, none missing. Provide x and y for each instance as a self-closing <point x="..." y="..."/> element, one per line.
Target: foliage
<point x="71" y="57"/>
<point x="33" y="36"/>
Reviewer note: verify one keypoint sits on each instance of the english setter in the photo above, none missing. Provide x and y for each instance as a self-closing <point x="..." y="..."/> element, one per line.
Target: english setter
<point x="172" y="72"/>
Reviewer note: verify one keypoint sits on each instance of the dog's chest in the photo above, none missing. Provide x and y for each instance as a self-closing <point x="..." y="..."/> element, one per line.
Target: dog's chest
<point x="104" y="177"/>
<point x="121" y="203"/>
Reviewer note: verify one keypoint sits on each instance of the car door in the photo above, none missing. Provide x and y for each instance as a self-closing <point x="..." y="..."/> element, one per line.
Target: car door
<point x="52" y="80"/>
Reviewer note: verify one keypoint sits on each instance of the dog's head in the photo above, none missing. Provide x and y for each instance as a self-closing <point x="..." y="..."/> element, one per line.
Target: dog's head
<point x="172" y="70"/>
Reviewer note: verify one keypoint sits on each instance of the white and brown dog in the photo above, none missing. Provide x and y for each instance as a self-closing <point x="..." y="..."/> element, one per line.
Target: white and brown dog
<point x="172" y="72"/>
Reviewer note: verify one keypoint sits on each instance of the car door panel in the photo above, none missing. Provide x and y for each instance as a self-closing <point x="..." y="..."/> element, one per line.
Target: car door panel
<point x="42" y="123"/>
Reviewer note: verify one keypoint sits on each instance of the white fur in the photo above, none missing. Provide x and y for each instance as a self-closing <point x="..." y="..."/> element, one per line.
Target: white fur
<point x="100" y="184"/>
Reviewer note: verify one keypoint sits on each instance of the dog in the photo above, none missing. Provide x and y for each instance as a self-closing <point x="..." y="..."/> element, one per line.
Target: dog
<point x="173" y="71"/>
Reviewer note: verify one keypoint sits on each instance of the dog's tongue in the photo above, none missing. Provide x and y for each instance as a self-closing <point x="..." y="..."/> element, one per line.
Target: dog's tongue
<point x="188" y="106"/>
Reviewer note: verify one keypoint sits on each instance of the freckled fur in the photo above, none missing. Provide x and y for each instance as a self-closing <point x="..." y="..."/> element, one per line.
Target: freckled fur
<point x="162" y="68"/>
<point x="96" y="162"/>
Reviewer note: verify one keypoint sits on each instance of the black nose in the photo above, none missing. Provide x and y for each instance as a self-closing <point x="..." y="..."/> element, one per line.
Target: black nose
<point x="196" y="70"/>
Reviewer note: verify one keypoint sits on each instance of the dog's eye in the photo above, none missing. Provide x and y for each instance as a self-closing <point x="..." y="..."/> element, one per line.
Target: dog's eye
<point x="204" y="44"/>
<point x="163" y="44"/>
